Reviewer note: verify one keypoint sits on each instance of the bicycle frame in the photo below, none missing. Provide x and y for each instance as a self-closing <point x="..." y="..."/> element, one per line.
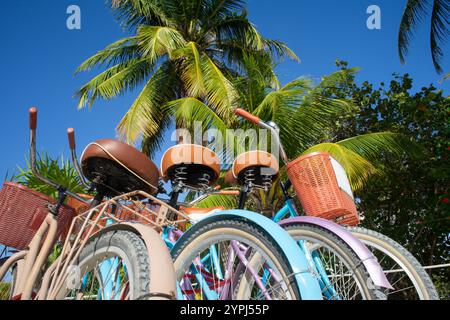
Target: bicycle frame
<point x="33" y="259"/>
<point x="83" y="227"/>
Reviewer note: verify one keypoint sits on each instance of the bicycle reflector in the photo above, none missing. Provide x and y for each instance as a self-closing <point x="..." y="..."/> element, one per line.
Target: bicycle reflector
<point x="323" y="188"/>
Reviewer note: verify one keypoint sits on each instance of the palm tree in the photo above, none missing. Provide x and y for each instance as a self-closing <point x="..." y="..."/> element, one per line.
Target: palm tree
<point x="177" y="49"/>
<point x="415" y="11"/>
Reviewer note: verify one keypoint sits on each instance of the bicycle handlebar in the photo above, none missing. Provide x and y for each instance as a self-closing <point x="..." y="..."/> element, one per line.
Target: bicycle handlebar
<point x="76" y="164"/>
<point x="270" y="126"/>
<point x="246" y="115"/>
<point x="33" y="113"/>
<point x="71" y="137"/>
<point x="33" y="118"/>
<point x="227" y="193"/>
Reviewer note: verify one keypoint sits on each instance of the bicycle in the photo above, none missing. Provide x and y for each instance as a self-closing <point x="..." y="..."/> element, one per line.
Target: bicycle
<point x="225" y="237"/>
<point x="338" y="259"/>
<point x="387" y="252"/>
<point x="244" y="291"/>
<point x="138" y="253"/>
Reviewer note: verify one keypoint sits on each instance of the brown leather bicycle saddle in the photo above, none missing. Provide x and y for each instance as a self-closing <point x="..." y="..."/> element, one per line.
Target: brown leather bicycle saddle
<point x="257" y="167"/>
<point x="119" y="166"/>
<point x="190" y="165"/>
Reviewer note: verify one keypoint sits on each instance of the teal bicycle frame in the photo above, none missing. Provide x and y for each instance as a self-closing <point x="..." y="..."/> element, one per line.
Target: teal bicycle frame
<point x="289" y="211"/>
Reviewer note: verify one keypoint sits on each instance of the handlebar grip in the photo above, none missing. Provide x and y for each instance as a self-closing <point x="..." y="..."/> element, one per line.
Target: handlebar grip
<point x="246" y="115"/>
<point x="33" y="118"/>
<point x="228" y="193"/>
<point x="71" y="136"/>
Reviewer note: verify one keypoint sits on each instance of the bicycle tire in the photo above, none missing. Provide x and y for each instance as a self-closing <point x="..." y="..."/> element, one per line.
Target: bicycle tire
<point x="323" y="237"/>
<point x="416" y="273"/>
<point x="129" y="247"/>
<point x="187" y="247"/>
<point x="8" y="295"/>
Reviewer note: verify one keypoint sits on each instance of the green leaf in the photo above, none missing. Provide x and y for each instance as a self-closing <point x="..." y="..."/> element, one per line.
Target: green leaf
<point x="372" y="145"/>
<point x="156" y="41"/>
<point x="191" y="73"/>
<point x="118" y="52"/>
<point x="357" y="168"/>
<point x="189" y="110"/>
<point x="59" y="170"/>
<point x="114" y="81"/>
<point x="228" y="202"/>
<point x="439" y="33"/>
<point x="145" y="116"/>
<point x="414" y="12"/>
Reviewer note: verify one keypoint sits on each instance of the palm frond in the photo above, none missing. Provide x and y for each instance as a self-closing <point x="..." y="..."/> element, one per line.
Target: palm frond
<point x="257" y="75"/>
<point x="280" y="50"/>
<point x="218" y="201"/>
<point x="336" y="79"/>
<point x="188" y="110"/>
<point x="301" y="85"/>
<point x="250" y="64"/>
<point x="440" y="21"/>
<point x="372" y="146"/>
<point x="59" y="170"/>
<point x="290" y="96"/>
<point x="357" y="167"/>
<point x="145" y="115"/>
<point x="219" y="9"/>
<point x="114" y="81"/>
<point x="310" y="122"/>
<point x="235" y="27"/>
<point x="156" y="41"/>
<point x="132" y="13"/>
<point x="117" y="52"/>
<point x="414" y="12"/>
<point x="220" y="92"/>
<point x="191" y="72"/>
<point x="150" y="145"/>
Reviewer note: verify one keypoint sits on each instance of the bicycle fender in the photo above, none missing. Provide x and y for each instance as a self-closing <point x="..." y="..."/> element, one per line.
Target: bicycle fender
<point x="308" y="284"/>
<point x="162" y="271"/>
<point x="364" y="254"/>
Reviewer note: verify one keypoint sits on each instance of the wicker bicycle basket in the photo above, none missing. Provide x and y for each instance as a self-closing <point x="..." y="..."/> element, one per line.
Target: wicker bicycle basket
<point x="22" y="211"/>
<point x="317" y="187"/>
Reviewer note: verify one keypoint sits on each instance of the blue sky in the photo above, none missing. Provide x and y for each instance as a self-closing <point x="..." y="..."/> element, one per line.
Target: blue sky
<point x="39" y="55"/>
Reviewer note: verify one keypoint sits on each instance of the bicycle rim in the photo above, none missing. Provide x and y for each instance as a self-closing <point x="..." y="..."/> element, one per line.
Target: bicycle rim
<point x="341" y="274"/>
<point x="215" y="261"/>
<point x="112" y="267"/>
<point x="404" y="272"/>
<point x="8" y="282"/>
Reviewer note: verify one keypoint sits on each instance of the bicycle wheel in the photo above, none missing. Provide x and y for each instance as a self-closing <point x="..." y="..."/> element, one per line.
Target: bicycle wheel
<point x="341" y="274"/>
<point x="112" y="266"/>
<point x="8" y="282"/>
<point x="405" y="273"/>
<point x="209" y="262"/>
